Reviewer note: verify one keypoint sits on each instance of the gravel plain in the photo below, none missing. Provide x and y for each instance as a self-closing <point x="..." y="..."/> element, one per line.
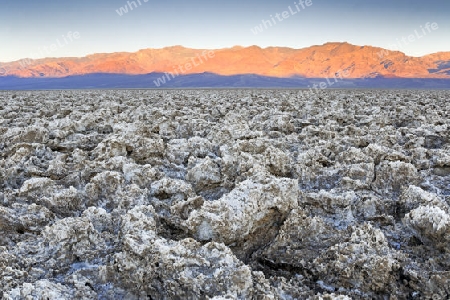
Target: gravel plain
<point x="225" y="194"/>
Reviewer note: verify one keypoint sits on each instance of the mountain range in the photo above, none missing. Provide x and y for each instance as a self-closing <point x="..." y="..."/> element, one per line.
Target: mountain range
<point x="331" y="60"/>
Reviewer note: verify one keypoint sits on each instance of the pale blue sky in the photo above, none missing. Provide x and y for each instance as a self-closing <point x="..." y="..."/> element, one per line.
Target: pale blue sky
<point x="27" y="27"/>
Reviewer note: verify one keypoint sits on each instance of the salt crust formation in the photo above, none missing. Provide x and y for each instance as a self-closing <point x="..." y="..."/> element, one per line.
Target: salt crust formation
<point x="220" y="194"/>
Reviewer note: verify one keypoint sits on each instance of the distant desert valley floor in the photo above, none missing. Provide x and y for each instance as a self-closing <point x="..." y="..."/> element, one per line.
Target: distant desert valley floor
<point x="225" y="194"/>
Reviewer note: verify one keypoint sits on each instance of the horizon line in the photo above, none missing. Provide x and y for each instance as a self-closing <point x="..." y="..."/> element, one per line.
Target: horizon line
<point x="224" y="48"/>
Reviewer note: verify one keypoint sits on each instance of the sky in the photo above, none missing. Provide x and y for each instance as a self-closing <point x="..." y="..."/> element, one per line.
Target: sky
<point x="56" y="28"/>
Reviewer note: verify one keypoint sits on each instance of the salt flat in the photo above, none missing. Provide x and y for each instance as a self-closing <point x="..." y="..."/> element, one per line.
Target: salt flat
<point x="225" y="194"/>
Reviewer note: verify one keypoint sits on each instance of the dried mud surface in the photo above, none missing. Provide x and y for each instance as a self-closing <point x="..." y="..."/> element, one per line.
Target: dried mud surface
<point x="225" y="194"/>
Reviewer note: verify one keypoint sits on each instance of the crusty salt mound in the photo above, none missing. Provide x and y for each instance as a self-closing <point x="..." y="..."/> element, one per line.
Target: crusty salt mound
<point x="225" y="195"/>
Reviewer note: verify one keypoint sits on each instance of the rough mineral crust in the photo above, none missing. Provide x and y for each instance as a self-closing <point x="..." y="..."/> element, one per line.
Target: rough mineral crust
<point x="240" y="194"/>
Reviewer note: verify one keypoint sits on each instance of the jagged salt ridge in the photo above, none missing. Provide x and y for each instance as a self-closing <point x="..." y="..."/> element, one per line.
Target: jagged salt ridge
<point x="225" y="194"/>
